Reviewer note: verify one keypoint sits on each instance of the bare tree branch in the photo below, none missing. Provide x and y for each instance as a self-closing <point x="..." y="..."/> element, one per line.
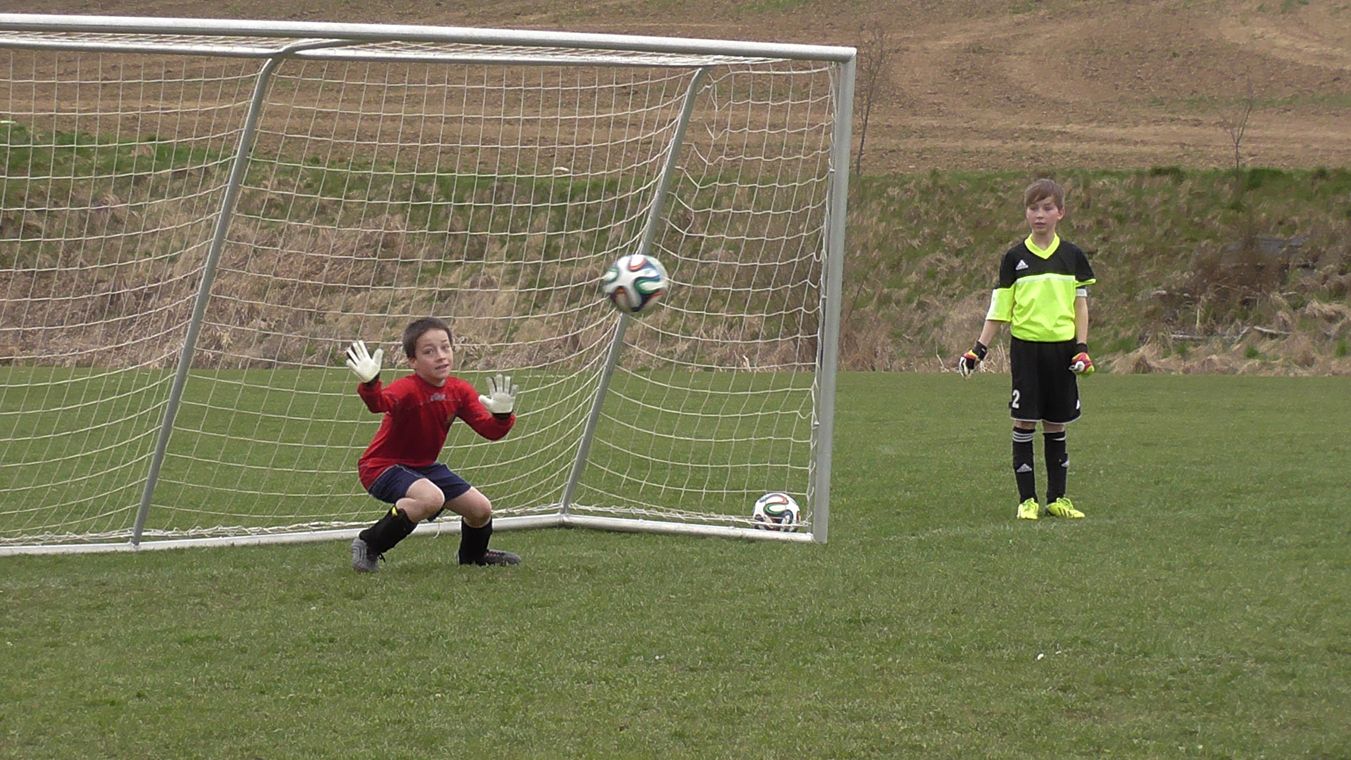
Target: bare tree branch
<point x="1236" y="124"/>
<point x="875" y="55"/>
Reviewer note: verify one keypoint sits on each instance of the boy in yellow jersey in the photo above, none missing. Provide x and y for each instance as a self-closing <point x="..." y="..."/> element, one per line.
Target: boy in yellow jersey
<point x="1043" y="295"/>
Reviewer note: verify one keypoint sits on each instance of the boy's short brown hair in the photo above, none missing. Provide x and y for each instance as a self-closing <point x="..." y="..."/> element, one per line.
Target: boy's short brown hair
<point x="1041" y="190"/>
<point x="419" y="327"/>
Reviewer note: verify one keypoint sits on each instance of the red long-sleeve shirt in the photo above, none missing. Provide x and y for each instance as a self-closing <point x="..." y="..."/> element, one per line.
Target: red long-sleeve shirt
<point x="417" y="418"/>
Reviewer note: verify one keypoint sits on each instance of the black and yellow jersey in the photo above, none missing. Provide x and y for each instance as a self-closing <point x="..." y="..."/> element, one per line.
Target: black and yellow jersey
<point x="1037" y="288"/>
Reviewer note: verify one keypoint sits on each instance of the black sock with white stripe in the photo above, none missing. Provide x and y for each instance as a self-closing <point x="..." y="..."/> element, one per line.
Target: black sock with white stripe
<point x="1023" y="470"/>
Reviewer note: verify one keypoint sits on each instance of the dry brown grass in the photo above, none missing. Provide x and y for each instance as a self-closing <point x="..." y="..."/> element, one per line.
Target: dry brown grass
<point x="967" y="84"/>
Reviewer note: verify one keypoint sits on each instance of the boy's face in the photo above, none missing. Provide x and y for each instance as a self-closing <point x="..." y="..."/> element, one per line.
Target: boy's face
<point x="1043" y="216"/>
<point x="432" y="356"/>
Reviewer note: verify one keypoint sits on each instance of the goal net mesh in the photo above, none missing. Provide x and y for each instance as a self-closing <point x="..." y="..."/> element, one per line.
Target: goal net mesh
<point x="388" y="181"/>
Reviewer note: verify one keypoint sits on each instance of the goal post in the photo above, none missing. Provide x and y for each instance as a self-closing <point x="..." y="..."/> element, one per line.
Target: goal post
<point x="197" y="217"/>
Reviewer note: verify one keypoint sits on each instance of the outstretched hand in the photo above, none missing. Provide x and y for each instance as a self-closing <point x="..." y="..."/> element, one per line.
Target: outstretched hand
<point x="501" y="396"/>
<point x="366" y="366"/>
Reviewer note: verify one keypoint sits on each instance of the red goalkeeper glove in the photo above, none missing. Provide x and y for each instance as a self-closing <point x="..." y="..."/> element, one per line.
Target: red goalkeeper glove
<point x="972" y="359"/>
<point x="1081" y="364"/>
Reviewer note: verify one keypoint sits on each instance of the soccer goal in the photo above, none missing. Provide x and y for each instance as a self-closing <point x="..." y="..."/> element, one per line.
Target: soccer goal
<point x="197" y="217"/>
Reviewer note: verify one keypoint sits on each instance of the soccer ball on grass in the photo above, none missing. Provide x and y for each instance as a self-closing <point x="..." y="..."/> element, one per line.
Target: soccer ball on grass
<point x="635" y="282"/>
<point x="776" y="511"/>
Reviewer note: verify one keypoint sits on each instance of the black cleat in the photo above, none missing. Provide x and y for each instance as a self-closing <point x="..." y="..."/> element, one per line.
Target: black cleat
<point x="498" y="557"/>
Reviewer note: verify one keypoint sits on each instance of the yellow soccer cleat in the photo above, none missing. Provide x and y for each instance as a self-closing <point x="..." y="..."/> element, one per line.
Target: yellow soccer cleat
<point x="1030" y="510"/>
<point x="1063" y="507"/>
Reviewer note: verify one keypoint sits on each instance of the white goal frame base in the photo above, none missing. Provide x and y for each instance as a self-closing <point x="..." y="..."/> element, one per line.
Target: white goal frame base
<point x="450" y="527"/>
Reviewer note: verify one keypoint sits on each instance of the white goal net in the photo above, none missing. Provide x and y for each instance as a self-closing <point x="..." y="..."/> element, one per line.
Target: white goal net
<point x="197" y="217"/>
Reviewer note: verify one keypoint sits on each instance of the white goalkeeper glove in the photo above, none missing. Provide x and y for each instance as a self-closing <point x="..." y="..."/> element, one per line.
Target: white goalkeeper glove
<point x="501" y="396"/>
<point x="366" y="366"/>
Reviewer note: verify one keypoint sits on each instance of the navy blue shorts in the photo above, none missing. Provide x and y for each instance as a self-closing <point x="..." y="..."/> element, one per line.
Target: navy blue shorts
<point x="393" y="483"/>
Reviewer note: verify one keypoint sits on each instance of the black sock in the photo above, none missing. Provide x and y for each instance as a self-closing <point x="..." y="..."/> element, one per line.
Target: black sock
<point x="1023" y="470"/>
<point x="1057" y="465"/>
<point x="388" y="531"/>
<point x="474" y="542"/>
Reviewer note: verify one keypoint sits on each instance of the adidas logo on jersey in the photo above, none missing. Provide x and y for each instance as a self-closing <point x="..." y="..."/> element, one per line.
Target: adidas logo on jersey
<point x="1021" y="265"/>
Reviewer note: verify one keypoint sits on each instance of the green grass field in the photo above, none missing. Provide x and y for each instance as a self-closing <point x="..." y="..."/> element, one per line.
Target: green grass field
<point x="1203" y="609"/>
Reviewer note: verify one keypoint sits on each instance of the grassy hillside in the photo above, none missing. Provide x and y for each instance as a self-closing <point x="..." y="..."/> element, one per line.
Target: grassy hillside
<point x="1198" y="270"/>
<point x="1211" y="271"/>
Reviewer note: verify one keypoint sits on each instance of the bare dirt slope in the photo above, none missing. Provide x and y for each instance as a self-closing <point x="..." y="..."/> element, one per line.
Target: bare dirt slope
<point x="983" y="84"/>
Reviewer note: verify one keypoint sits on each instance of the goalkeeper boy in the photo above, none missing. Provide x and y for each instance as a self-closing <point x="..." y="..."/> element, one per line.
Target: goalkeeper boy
<point x="400" y="467"/>
<point x="1043" y="295"/>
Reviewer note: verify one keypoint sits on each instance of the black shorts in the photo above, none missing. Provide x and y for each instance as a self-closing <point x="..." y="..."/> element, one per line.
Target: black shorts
<point x="1044" y="388"/>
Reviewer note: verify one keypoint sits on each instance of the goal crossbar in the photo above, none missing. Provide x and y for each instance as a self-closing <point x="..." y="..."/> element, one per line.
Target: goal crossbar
<point x="166" y="35"/>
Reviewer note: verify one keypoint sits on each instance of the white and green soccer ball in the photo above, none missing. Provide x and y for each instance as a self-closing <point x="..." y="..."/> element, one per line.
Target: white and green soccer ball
<point x="635" y="282"/>
<point x="776" y="511"/>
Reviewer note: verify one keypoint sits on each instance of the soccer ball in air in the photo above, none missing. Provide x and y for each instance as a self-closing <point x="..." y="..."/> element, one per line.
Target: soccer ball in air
<point x="776" y="511"/>
<point x="634" y="283"/>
